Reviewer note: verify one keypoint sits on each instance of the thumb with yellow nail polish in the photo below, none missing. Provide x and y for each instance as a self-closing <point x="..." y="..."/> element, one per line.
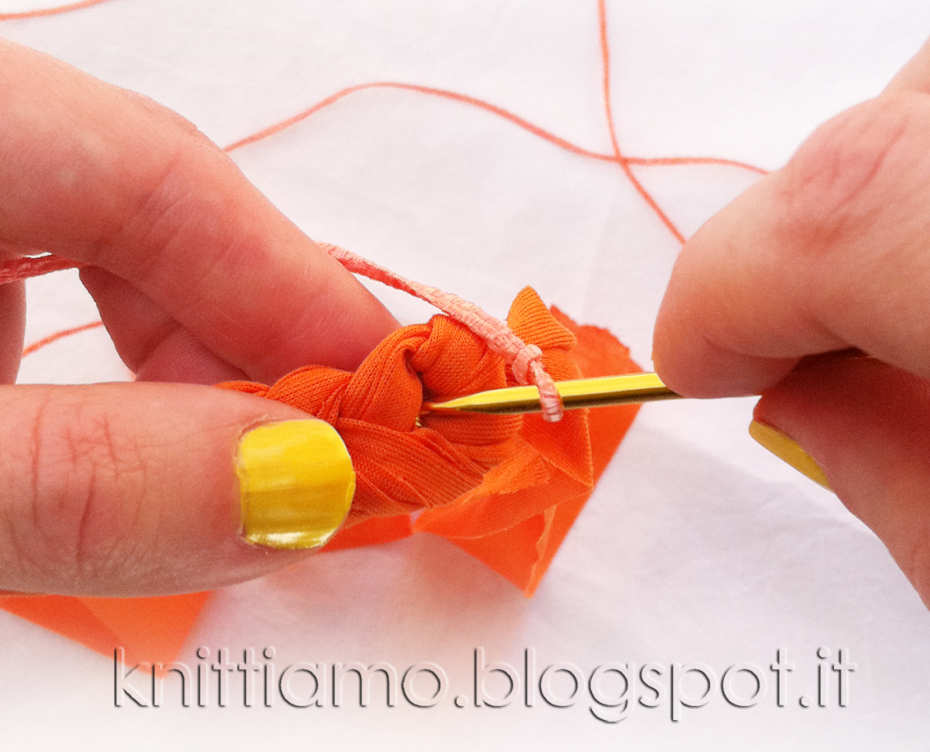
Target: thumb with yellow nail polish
<point x="861" y="428"/>
<point x="788" y="450"/>
<point x="151" y="489"/>
<point x="296" y="484"/>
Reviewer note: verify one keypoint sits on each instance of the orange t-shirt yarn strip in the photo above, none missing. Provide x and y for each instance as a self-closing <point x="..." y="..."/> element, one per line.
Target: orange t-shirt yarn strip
<point x="503" y="487"/>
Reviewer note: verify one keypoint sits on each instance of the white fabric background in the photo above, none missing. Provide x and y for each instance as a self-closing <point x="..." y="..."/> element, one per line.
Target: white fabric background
<point x="697" y="546"/>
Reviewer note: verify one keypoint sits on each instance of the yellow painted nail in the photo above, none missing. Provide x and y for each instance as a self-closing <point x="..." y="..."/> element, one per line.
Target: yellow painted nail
<point x="296" y="483"/>
<point x="788" y="450"/>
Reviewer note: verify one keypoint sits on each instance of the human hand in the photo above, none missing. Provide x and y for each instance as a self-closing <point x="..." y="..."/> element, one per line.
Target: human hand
<point x="831" y="252"/>
<point x="132" y="489"/>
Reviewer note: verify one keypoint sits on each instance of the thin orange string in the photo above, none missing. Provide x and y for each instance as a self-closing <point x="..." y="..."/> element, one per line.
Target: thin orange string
<point x="23" y="266"/>
<point x="431" y="91"/>
<point x="54" y="337"/>
<point x="675" y="161"/>
<point x="617" y="156"/>
<point x="524" y="360"/>
<point x="33" y="266"/>
<point x="50" y="11"/>
<point x="489" y="107"/>
<point x="621" y="160"/>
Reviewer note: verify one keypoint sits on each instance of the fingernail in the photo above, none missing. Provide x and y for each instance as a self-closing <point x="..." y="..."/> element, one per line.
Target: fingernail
<point x="296" y="484"/>
<point x="788" y="450"/>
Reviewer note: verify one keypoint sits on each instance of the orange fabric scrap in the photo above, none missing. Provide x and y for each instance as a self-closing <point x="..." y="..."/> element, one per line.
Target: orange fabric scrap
<point x="505" y="488"/>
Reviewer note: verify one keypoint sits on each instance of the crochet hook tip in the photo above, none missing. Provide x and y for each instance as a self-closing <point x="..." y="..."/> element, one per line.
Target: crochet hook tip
<point x="596" y="392"/>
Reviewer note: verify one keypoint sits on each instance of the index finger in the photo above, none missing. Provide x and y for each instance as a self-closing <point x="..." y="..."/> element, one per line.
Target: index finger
<point x="830" y="252"/>
<point x="100" y="175"/>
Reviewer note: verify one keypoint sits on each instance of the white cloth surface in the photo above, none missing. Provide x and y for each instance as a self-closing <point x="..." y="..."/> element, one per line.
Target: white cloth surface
<point x="697" y="547"/>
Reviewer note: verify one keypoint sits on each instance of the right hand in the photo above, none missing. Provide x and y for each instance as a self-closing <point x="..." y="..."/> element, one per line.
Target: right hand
<point x="828" y="253"/>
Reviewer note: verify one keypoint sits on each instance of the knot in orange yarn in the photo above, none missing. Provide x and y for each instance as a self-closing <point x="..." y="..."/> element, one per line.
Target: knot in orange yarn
<point x="404" y="463"/>
<point x="505" y="488"/>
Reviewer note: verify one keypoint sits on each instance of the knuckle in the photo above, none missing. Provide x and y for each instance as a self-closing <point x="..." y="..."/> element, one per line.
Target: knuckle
<point x="838" y="182"/>
<point x="167" y="216"/>
<point x="151" y="220"/>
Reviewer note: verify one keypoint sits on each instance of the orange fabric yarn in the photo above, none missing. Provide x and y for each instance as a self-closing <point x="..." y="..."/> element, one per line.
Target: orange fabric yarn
<point x="512" y="478"/>
<point x="506" y="489"/>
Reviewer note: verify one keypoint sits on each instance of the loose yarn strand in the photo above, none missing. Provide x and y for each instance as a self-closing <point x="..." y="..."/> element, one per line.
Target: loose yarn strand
<point x="525" y="361"/>
<point x="49" y="11"/>
<point x="494" y="109"/>
<point x="34" y="266"/>
<point x="55" y="336"/>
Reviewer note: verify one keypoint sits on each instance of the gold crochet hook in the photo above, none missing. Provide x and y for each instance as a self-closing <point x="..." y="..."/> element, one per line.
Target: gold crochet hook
<point x="597" y="392"/>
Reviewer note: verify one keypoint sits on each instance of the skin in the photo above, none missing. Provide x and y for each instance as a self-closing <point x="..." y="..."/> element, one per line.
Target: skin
<point x="131" y="489"/>
<point x="830" y="252"/>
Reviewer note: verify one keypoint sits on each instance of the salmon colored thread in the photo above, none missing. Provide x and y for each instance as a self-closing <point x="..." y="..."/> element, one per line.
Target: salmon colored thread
<point x="444" y="93"/>
<point x="33" y="266"/>
<point x="621" y="160"/>
<point x="682" y="161"/>
<point x="525" y="361"/>
<point x="49" y="11"/>
<point x="493" y="109"/>
<point x="428" y="90"/>
<point x="55" y="336"/>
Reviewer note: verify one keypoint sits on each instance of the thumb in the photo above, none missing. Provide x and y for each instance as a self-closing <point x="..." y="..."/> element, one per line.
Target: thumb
<point x="866" y="427"/>
<point x="149" y="489"/>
